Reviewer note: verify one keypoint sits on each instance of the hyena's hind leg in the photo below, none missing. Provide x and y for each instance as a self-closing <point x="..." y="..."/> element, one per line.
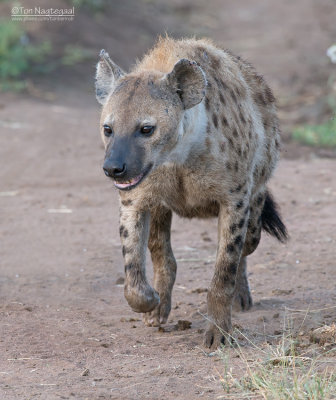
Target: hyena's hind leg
<point x="242" y="297"/>
<point x="164" y="264"/>
<point x="264" y="214"/>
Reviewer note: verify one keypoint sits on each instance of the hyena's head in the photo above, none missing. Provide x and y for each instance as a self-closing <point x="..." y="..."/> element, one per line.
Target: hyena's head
<point x="141" y="117"/>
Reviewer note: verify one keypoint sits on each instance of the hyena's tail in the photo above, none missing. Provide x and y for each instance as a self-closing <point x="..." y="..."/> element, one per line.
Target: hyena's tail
<point x="271" y="219"/>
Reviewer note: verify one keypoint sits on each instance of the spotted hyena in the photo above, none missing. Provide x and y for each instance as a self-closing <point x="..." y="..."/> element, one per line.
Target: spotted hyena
<point x="192" y="129"/>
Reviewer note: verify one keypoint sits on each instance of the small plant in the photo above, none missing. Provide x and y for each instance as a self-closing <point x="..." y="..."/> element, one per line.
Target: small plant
<point x="317" y="135"/>
<point x="18" y="56"/>
<point x="279" y="372"/>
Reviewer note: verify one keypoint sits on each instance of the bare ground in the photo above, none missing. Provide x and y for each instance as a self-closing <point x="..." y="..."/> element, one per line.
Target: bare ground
<point x="66" y="331"/>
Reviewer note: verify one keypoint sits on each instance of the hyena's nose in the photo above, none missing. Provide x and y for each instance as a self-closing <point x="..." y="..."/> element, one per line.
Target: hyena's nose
<point x="113" y="170"/>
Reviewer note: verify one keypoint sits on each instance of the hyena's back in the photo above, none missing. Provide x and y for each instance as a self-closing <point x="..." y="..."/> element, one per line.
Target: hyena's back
<point x="239" y="104"/>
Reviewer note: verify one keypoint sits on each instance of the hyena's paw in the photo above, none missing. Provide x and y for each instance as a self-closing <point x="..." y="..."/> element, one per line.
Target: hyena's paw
<point x="160" y="314"/>
<point x="242" y="300"/>
<point x="215" y="336"/>
<point x="142" y="298"/>
<point x="219" y="319"/>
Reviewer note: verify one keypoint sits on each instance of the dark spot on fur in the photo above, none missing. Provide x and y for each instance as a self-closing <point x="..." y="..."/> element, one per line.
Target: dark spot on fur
<point x="259" y="200"/>
<point x="126" y="202"/>
<point x="253" y="230"/>
<point x="254" y="241"/>
<point x="222" y="147"/>
<point x="128" y="267"/>
<point x="239" y="205"/>
<point x="125" y="233"/>
<point x="215" y="120"/>
<point x="238" y="240"/>
<point x="215" y="63"/>
<point x="208" y="128"/>
<point x="239" y="152"/>
<point x="242" y="118"/>
<point x="231" y="142"/>
<point x="223" y="84"/>
<point x="236" y="166"/>
<point x="228" y="166"/>
<point x="230" y="248"/>
<point x="121" y="229"/>
<point x="235" y="132"/>
<point x="221" y="98"/>
<point x="218" y="82"/>
<point x="207" y="103"/>
<point x="124" y="251"/>
<point x="224" y="121"/>
<point x="232" y="268"/>
<point x="241" y="223"/>
<point x="233" y="228"/>
<point x="246" y="210"/>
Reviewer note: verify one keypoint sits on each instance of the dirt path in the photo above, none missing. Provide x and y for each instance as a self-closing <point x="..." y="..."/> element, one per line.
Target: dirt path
<point x="62" y="311"/>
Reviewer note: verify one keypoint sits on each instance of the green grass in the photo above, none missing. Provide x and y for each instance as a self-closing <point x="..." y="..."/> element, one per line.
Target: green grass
<point x="18" y="56"/>
<point x="75" y="54"/>
<point x="317" y="135"/>
<point x="279" y="372"/>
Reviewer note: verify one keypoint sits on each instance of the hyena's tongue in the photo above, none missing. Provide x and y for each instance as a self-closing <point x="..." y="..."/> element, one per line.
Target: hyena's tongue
<point x="129" y="183"/>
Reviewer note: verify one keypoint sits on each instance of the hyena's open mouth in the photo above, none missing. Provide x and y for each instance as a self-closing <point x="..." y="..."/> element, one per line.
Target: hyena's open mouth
<point x="132" y="183"/>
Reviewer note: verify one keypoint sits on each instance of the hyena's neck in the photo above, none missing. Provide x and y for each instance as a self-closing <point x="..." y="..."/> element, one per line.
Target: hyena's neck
<point x="191" y="135"/>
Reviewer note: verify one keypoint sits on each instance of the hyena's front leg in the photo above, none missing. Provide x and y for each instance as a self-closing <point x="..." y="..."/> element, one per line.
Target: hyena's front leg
<point x="232" y="222"/>
<point x="164" y="264"/>
<point x="134" y="229"/>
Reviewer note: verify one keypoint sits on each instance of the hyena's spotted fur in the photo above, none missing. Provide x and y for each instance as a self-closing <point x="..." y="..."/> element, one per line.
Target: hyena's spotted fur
<point x="213" y="148"/>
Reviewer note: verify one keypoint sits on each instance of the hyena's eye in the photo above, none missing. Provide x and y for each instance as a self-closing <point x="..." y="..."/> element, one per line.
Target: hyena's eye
<point x="107" y="130"/>
<point x="147" y="130"/>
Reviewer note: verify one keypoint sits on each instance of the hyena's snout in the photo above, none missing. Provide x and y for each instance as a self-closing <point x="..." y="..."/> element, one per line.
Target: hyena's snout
<point x="124" y="163"/>
<point x="115" y="169"/>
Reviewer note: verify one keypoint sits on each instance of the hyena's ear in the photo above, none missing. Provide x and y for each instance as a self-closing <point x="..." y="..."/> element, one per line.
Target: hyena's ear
<point x="189" y="80"/>
<point x="106" y="76"/>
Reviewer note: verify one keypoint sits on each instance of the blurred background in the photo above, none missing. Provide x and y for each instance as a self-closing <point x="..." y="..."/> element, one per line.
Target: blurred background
<point x="286" y="41"/>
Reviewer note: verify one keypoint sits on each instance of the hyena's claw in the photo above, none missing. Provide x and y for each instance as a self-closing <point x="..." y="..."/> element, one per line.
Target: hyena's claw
<point x="214" y="337"/>
<point x="158" y="316"/>
<point x="242" y="301"/>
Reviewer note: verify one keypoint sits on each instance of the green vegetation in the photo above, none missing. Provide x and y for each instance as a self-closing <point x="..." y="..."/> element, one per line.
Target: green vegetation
<point x="92" y="5"/>
<point x="317" y="135"/>
<point x="279" y="372"/>
<point x="18" y="56"/>
<point x="75" y="54"/>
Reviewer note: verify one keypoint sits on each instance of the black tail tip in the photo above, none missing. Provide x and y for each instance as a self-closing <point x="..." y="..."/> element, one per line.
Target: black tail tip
<point x="271" y="220"/>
